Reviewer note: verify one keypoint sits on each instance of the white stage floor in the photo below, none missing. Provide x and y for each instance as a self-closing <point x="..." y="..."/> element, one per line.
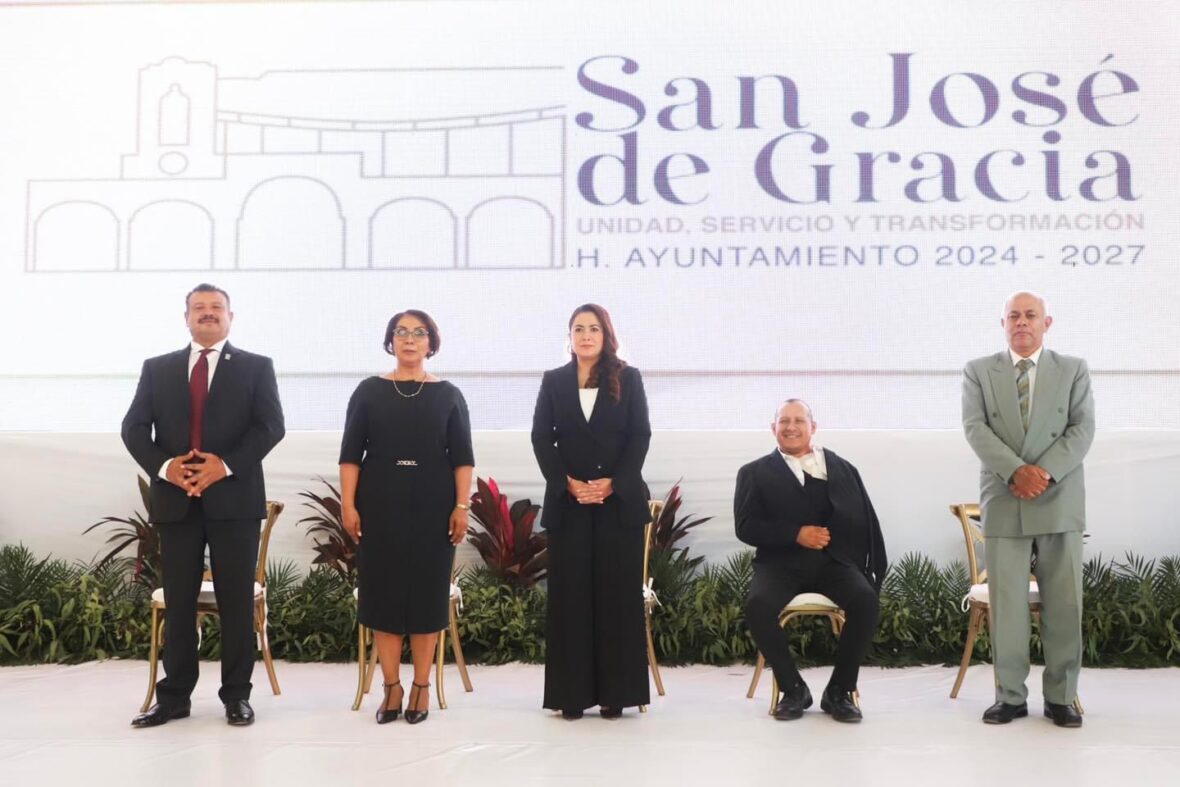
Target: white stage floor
<point x="70" y="726"/>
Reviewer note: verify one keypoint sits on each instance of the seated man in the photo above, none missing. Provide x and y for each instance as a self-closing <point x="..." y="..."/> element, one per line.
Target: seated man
<point x="807" y="512"/>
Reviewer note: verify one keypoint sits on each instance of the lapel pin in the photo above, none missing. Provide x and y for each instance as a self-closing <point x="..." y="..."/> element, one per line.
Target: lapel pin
<point x="228" y="356"/>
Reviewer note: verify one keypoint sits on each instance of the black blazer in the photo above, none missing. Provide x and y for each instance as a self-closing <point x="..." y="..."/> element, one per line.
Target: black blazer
<point x="243" y="421"/>
<point x="613" y="444"/>
<point x="769" y="508"/>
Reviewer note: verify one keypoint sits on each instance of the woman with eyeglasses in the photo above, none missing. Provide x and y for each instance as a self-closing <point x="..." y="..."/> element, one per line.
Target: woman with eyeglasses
<point x="405" y="472"/>
<point x="590" y="436"/>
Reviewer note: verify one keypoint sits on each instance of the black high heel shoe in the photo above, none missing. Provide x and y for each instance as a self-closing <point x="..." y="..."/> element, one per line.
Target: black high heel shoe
<point x="416" y="716"/>
<point x="385" y="714"/>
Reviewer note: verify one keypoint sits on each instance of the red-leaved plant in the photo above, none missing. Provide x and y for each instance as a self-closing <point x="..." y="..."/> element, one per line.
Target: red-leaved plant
<point x="338" y="552"/>
<point x="138" y="532"/>
<point x="669" y="530"/>
<point x="505" y="538"/>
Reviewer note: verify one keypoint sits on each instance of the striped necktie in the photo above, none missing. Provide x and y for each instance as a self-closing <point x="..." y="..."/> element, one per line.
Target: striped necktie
<point x="1023" y="389"/>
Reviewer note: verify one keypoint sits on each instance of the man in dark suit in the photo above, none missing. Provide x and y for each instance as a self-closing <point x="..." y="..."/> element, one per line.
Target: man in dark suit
<point x="201" y="421"/>
<point x="807" y="512"/>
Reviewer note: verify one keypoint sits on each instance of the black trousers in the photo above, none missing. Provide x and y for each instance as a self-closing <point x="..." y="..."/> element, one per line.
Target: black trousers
<point x="594" y="634"/>
<point x="233" y="558"/>
<point x="774" y="586"/>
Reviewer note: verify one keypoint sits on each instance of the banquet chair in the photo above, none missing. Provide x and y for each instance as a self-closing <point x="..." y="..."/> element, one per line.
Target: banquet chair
<point x="802" y="605"/>
<point x="650" y="600"/>
<point x="977" y="598"/>
<point x="367" y="654"/>
<point x="968" y="516"/>
<point x="207" y="605"/>
<point x="976" y="601"/>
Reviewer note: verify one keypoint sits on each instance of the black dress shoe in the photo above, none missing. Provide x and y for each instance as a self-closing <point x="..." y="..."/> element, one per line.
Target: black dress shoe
<point x="161" y="714"/>
<point x="1002" y="713"/>
<point x="1063" y="715"/>
<point x="610" y="712"/>
<point x="840" y="704"/>
<point x="794" y="701"/>
<point x="571" y="715"/>
<point x="238" y="713"/>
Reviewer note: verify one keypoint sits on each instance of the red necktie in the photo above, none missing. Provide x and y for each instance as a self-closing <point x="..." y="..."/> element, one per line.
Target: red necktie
<point x="198" y="386"/>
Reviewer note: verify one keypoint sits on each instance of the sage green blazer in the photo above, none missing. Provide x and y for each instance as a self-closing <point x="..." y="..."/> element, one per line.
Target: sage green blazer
<point x="1060" y="431"/>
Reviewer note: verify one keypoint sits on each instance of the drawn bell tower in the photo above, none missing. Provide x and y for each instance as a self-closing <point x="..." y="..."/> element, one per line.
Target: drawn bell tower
<point x="176" y="137"/>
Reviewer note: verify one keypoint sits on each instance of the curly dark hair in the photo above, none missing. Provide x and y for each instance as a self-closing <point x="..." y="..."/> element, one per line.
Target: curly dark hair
<point x="609" y="365"/>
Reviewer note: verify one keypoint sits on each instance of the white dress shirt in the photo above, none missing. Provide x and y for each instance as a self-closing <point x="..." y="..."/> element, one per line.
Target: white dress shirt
<point x="1032" y="372"/>
<point x="194" y="353"/>
<point x="813" y="464"/>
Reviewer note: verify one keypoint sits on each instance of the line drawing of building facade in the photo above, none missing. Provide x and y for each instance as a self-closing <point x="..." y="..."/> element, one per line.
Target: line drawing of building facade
<point x="409" y="169"/>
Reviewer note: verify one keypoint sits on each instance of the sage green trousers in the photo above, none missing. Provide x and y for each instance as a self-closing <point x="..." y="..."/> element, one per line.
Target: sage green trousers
<point x="1059" y="577"/>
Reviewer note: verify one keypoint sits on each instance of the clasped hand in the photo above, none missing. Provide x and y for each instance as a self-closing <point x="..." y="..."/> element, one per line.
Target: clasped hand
<point x="195" y="471"/>
<point x="1029" y="482"/>
<point x="813" y="537"/>
<point x="592" y="492"/>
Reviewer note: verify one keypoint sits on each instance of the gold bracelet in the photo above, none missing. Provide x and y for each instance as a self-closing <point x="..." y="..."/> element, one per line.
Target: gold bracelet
<point x="463" y="506"/>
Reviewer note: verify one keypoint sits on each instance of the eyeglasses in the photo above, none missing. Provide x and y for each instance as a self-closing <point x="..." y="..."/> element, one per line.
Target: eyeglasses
<point x="418" y="334"/>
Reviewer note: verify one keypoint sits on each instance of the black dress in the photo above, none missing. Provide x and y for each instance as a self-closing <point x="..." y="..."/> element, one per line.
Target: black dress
<point x="595" y="638"/>
<point x="408" y="448"/>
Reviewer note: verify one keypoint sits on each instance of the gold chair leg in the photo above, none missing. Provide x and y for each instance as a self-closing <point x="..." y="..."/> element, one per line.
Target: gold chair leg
<point x="651" y="658"/>
<point x="153" y="660"/>
<point x="759" y="665"/>
<point x="362" y="660"/>
<point x="460" y="662"/>
<point x="835" y="619"/>
<point x="438" y="671"/>
<point x="374" y="658"/>
<point x="260" y="625"/>
<point x="968" y="648"/>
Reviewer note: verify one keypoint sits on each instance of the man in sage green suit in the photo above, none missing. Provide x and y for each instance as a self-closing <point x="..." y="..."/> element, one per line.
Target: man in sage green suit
<point x="1029" y="416"/>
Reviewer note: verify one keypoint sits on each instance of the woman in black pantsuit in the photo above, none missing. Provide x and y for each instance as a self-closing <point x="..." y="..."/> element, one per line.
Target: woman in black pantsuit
<point x="590" y="436"/>
<point x="405" y="472"/>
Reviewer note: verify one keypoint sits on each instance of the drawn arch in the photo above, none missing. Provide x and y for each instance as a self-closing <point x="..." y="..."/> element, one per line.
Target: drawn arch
<point x="413" y="232"/>
<point x="78" y="235"/>
<point x="291" y="222"/>
<point x="170" y="235"/>
<point x="510" y="232"/>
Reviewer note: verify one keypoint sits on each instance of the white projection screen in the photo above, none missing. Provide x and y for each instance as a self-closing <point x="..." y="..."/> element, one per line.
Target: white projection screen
<point x="826" y="200"/>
